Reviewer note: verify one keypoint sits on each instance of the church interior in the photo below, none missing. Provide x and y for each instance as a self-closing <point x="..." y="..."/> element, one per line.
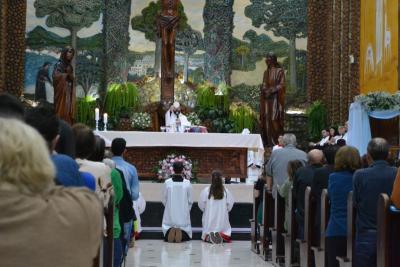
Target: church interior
<point x="199" y="133"/>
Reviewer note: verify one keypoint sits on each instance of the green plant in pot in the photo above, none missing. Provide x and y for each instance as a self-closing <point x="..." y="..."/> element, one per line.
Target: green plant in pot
<point x="243" y="116"/>
<point x="119" y="97"/>
<point x="85" y="110"/>
<point x="317" y="114"/>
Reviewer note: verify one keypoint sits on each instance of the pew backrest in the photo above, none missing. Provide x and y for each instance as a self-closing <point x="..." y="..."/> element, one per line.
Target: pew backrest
<point x="351" y="220"/>
<point x="325" y="212"/>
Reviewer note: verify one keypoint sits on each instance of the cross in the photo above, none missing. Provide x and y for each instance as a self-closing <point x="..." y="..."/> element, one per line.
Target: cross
<point x="167" y="23"/>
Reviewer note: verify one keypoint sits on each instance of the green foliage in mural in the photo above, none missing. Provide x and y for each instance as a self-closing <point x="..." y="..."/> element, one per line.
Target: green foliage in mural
<point x="243" y="116"/>
<point x="286" y="18"/>
<point x="188" y="41"/>
<point x="317" y="115"/>
<point x="40" y="38"/>
<point x="85" y="110"/>
<point x="249" y="94"/>
<point x="259" y="46"/>
<point x="121" y="96"/>
<point x="88" y="70"/>
<point x="72" y="15"/>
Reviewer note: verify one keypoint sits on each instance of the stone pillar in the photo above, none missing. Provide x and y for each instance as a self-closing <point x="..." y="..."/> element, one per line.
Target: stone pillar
<point x="333" y="39"/>
<point x="12" y="46"/>
<point x="218" y="28"/>
<point x="116" y="23"/>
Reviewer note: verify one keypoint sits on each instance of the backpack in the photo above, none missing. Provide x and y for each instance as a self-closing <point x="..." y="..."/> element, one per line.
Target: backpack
<point x="126" y="211"/>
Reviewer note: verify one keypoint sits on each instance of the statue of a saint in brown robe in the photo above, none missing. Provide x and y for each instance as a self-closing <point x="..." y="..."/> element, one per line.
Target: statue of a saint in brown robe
<point x="272" y="101"/>
<point x="64" y="87"/>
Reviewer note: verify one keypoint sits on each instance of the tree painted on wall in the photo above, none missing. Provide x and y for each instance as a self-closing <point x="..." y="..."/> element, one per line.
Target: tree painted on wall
<point x="72" y="15"/>
<point x="88" y="70"/>
<point x="242" y="51"/>
<point x="218" y="28"/>
<point x="188" y="41"/>
<point x="285" y="18"/>
<point x="147" y="23"/>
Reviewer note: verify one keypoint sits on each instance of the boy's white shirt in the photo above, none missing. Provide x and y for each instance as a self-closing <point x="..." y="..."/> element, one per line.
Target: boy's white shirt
<point x="216" y="212"/>
<point x="177" y="200"/>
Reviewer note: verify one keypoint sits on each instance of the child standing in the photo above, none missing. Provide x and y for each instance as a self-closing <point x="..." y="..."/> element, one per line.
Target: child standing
<point x="177" y="199"/>
<point x="216" y="202"/>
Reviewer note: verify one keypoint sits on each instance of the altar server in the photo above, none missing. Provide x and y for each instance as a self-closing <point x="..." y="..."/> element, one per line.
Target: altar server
<point x="216" y="202"/>
<point x="177" y="199"/>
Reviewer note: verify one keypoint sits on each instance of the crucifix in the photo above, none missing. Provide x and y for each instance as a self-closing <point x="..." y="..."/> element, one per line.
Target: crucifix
<point x="167" y="23"/>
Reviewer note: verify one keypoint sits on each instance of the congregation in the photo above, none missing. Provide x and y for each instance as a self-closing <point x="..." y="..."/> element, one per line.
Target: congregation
<point x="49" y="168"/>
<point x="299" y="177"/>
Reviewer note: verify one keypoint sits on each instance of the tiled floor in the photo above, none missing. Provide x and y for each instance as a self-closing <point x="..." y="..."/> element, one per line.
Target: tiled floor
<point x="156" y="253"/>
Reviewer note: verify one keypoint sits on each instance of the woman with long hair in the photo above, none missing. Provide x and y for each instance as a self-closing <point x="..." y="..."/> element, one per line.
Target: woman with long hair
<point x="216" y="202"/>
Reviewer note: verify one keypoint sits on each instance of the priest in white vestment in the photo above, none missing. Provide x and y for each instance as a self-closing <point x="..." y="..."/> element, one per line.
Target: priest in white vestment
<point x="216" y="202"/>
<point x="175" y="120"/>
<point x="177" y="200"/>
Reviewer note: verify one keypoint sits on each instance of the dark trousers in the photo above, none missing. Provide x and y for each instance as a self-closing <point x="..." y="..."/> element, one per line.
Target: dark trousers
<point x="365" y="246"/>
<point x="336" y="246"/>
<point x="185" y="236"/>
<point x="117" y="252"/>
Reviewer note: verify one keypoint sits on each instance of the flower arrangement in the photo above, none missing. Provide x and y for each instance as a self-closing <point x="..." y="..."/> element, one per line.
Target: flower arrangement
<point x="165" y="170"/>
<point x="141" y="120"/>
<point x="379" y="101"/>
<point x="194" y="119"/>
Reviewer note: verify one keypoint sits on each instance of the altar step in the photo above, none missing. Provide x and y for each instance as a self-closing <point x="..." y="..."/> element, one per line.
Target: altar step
<point x="239" y="218"/>
<point x="242" y="234"/>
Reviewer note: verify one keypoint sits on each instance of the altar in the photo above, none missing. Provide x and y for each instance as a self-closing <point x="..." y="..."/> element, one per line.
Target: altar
<point x="209" y="151"/>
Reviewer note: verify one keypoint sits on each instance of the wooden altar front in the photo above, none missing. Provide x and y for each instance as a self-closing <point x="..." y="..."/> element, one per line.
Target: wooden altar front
<point x="231" y="161"/>
<point x="208" y="151"/>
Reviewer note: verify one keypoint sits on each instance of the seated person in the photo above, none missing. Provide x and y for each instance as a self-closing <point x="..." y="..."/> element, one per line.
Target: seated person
<point x="177" y="200"/>
<point x="324" y="140"/>
<point x="216" y="202"/>
<point x="284" y="190"/>
<point x="368" y="184"/>
<point x="280" y="143"/>
<point x="340" y="183"/>
<point x="175" y="119"/>
<point x="342" y="134"/>
<point x="63" y="224"/>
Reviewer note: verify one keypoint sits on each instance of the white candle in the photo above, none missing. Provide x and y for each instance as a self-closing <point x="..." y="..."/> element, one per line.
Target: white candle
<point x="97" y="114"/>
<point x="105" y="118"/>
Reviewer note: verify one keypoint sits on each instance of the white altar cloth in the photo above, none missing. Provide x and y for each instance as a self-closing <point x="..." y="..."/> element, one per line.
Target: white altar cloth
<point x="252" y="142"/>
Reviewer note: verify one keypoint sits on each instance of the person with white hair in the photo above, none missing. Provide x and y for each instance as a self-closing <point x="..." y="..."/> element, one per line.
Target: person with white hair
<point x="63" y="224"/>
<point x="276" y="168"/>
<point x="175" y="120"/>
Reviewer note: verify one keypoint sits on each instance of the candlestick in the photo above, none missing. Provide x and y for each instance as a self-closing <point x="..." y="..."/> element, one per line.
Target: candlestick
<point x="97" y="114"/>
<point x="96" y="117"/>
<point x="105" y="120"/>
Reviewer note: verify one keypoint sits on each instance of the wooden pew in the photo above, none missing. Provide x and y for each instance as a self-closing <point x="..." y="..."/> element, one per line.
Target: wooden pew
<point x="290" y="235"/>
<point x="306" y="258"/>
<point x="347" y="261"/>
<point x="109" y="213"/>
<point x="255" y="243"/>
<point x="109" y="216"/>
<point x="267" y="222"/>
<point x="320" y="250"/>
<point x="388" y="234"/>
<point x="278" y="242"/>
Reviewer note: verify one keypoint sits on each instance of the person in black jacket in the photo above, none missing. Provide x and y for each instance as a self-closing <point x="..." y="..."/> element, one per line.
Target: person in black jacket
<point x="303" y="178"/>
<point x="320" y="182"/>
